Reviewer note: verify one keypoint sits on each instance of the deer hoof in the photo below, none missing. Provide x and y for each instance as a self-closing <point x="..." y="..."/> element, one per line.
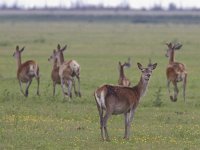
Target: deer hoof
<point x="173" y="99"/>
<point x="26" y="94"/>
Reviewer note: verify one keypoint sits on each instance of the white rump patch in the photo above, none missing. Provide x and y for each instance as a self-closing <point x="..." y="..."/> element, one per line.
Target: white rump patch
<point x="101" y="99"/>
<point x="74" y="66"/>
<point x="31" y="70"/>
<point x="31" y="67"/>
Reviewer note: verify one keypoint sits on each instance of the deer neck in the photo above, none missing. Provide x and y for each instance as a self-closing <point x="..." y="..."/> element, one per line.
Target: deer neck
<point x="142" y="86"/>
<point x="121" y="73"/>
<point x="171" y="58"/>
<point x="61" y="58"/>
<point x="19" y="61"/>
<point x="55" y="64"/>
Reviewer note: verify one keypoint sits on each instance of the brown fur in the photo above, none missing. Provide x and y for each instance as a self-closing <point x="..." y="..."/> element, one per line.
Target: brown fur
<point x="175" y="72"/>
<point x="26" y="71"/>
<point x="116" y="100"/>
<point x="123" y="80"/>
<point x="67" y="71"/>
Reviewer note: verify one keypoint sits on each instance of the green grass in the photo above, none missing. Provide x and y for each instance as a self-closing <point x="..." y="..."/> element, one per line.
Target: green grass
<point x="47" y="122"/>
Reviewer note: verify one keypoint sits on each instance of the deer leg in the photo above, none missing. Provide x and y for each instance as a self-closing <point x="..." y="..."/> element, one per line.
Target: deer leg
<point x="20" y="84"/>
<point x="74" y="85"/>
<point x="175" y="91"/>
<point x="70" y="88"/>
<point x="38" y="85"/>
<point x="184" y="85"/>
<point x="105" y="119"/>
<point x="126" y="124"/>
<point x="168" y="87"/>
<point x="129" y="119"/>
<point x="79" y="90"/>
<point x="54" y="88"/>
<point x="62" y="85"/>
<point x="27" y="87"/>
<point x="101" y="121"/>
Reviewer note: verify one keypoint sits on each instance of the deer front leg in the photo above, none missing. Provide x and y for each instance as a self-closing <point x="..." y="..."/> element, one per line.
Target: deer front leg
<point x="126" y="125"/>
<point x="129" y="118"/>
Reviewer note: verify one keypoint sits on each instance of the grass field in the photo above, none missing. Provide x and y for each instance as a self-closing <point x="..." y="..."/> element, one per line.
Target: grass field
<point x="47" y="122"/>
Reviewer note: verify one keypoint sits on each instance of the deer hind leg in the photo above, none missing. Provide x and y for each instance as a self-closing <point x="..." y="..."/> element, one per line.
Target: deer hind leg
<point x="54" y="88"/>
<point x="74" y="85"/>
<point x="38" y="85"/>
<point x="105" y="119"/>
<point x="20" y="84"/>
<point x="62" y="85"/>
<point x="79" y="90"/>
<point x="175" y="91"/>
<point x="70" y="82"/>
<point x="184" y="86"/>
<point x="27" y="87"/>
<point x="101" y="122"/>
<point x="168" y="87"/>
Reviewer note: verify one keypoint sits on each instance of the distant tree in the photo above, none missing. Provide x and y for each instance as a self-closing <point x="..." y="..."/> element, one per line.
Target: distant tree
<point x="3" y="6"/>
<point x="172" y="7"/>
<point x="157" y="8"/>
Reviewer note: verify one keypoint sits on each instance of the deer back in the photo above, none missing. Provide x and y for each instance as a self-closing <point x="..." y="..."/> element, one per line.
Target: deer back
<point x="28" y="70"/>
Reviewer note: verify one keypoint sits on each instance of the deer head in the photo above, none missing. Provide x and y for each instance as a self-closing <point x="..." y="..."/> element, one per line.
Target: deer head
<point x="126" y="64"/>
<point x="172" y="47"/>
<point x="18" y="52"/>
<point x="146" y="72"/>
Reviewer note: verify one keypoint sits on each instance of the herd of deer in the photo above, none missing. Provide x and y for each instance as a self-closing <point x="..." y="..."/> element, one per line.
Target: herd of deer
<point x="110" y="99"/>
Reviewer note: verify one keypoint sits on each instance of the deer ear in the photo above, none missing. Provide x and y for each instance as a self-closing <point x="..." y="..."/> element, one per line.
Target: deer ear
<point x="139" y="66"/>
<point x="17" y="47"/>
<point x="119" y="66"/>
<point x="178" y="46"/>
<point x="169" y="45"/>
<point x="64" y="48"/>
<point x="154" y="66"/>
<point x="22" y="49"/>
<point x="58" y="47"/>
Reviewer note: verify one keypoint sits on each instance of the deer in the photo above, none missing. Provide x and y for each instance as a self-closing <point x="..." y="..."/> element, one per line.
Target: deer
<point x="115" y="100"/>
<point x="122" y="78"/>
<point x="26" y="71"/>
<point x="68" y="70"/>
<point x="55" y="69"/>
<point x="175" y="71"/>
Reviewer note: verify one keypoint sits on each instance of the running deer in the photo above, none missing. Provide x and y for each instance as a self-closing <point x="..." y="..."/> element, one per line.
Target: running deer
<point x="114" y="100"/>
<point x="26" y="71"/>
<point x="122" y="78"/>
<point x="55" y="69"/>
<point x="67" y="71"/>
<point x="175" y="71"/>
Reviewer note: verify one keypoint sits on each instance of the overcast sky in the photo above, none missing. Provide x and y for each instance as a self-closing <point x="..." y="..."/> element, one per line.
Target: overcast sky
<point x="132" y="3"/>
